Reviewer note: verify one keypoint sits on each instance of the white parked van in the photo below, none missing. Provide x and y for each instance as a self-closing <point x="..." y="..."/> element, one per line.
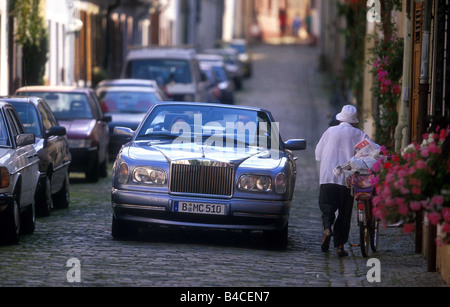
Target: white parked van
<point x="176" y="70"/>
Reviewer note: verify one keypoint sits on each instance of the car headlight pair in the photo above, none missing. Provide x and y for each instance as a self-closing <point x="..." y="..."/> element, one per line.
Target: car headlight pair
<point x="262" y="183"/>
<point x="142" y="174"/>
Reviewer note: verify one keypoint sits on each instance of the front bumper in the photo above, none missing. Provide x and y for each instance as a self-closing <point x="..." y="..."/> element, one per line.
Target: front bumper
<point x="240" y="214"/>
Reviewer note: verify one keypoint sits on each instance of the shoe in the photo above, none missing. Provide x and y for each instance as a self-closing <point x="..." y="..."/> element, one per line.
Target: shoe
<point x="326" y="240"/>
<point x="341" y="252"/>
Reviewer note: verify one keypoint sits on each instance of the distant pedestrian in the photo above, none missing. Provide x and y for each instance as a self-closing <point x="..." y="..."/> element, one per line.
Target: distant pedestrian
<point x="336" y="147"/>
<point x="296" y="25"/>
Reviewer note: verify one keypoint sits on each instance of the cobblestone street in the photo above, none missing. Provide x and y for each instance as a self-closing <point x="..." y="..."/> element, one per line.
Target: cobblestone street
<point x="285" y="81"/>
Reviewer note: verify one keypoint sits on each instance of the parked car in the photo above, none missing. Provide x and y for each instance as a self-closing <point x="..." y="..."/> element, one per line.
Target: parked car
<point x="226" y="86"/>
<point x="52" y="148"/>
<point x="131" y="82"/>
<point x="204" y="165"/>
<point x="244" y="55"/>
<point x="212" y="89"/>
<point x="127" y="106"/>
<point x="232" y="64"/>
<point x="175" y="69"/>
<point x="19" y="175"/>
<point x="79" y="111"/>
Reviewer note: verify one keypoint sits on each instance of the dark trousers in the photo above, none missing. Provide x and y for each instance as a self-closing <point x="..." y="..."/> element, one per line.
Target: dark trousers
<point x="332" y="198"/>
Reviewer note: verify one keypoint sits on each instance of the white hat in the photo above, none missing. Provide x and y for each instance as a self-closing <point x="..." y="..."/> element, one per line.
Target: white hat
<point x="348" y="114"/>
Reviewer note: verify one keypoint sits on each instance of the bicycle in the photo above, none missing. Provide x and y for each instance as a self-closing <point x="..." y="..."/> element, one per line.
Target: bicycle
<point x="362" y="191"/>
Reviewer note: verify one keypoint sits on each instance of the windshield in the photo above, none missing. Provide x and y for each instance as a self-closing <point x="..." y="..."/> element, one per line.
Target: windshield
<point x="123" y="101"/>
<point x="29" y="117"/>
<point x="67" y="105"/>
<point x="212" y="125"/>
<point x="220" y="73"/>
<point x="164" y="71"/>
<point x="4" y="140"/>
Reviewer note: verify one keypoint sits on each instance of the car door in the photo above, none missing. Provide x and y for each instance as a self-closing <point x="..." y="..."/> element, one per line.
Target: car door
<point x="102" y="126"/>
<point x="56" y="147"/>
<point x="27" y="162"/>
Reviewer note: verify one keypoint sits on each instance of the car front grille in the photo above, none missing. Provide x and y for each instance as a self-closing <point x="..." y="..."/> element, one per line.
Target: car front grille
<point x="202" y="179"/>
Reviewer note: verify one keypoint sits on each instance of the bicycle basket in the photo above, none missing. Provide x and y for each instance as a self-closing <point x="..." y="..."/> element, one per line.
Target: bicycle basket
<point x="362" y="183"/>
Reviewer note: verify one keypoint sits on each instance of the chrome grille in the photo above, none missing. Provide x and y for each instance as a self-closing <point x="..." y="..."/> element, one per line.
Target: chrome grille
<point x="201" y="179"/>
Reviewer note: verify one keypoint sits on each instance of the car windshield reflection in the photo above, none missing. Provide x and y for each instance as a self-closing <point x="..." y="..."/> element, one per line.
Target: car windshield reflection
<point x="218" y="126"/>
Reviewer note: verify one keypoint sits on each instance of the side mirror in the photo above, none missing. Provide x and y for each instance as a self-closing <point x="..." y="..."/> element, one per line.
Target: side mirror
<point x="295" y="144"/>
<point x="107" y="118"/>
<point x="25" y="139"/>
<point x="57" y="131"/>
<point x="123" y="132"/>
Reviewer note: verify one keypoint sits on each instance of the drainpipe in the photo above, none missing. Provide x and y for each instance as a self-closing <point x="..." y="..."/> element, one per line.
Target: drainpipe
<point x="403" y="116"/>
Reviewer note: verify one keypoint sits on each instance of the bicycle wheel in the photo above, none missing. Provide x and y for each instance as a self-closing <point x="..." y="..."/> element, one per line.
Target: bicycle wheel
<point x="372" y="225"/>
<point x="364" y="237"/>
<point x="374" y="234"/>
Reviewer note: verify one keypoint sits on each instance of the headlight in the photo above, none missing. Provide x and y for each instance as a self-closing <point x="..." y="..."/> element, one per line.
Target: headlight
<point x="123" y="173"/>
<point x="79" y="143"/>
<point x="255" y="183"/>
<point x="149" y="175"/>
<point x="4" y="177"/>
<point x="280" y="183"/>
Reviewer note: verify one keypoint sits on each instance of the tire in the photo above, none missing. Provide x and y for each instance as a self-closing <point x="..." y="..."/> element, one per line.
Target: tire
<point x="374" y="235"/>
<point x="28" y="222"/>
<point x="44" y="202"/>
<point x="61" y="199"/>
<point x="364" y="239"/>
<point x="93" y="174"/>
<point x="103" y="170"/>
<point x="10" y="223"/>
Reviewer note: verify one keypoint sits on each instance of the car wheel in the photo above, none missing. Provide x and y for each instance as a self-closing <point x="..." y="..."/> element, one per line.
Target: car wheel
<point x="123" y="230"/>
<point x="61" y="199"/>
<point x="28" y="223"/>
<point x="44" y="202"/>
<point x="93" y="174"/>
<point x="10" y="223"/>
<point x="103" y="173"/>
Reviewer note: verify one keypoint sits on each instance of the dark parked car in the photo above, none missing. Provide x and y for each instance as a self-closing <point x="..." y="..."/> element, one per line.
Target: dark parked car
<point x="19" y="174"/>
<point x="225" y="84"/>
<point x="79" y="111"/>
<point x="127" y="106"/>
<point x="205" y="165"/>
<point x="52" y="148"/>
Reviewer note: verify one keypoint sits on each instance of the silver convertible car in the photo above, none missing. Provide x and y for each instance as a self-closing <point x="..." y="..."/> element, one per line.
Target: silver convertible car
<point x="204" y="165"/>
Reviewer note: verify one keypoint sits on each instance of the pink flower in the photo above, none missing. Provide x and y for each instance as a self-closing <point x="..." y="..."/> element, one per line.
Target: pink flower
<point x="437" y="200"/>
<point x="446" y="228"/>
<point x="434" y="217"/>
<point x="416" y="191"/>
<point x="446" y="214"/>
<point x="415" y="205"/>
<point x="424" y="152"/>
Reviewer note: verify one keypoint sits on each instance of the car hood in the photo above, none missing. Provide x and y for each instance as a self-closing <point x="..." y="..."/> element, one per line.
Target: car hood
<point x="78" y="128"/>
<point x="251" y="157"/>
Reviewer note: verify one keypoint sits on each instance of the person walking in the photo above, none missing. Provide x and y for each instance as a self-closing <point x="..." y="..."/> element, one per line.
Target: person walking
<point x="336" y="147"/>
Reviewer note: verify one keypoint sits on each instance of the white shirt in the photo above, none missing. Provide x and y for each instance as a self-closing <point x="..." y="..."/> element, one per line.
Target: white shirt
<point x="336" y="147"/>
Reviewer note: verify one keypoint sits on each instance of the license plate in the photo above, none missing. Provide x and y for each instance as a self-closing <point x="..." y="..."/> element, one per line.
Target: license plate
<point x="199" y="208"/>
